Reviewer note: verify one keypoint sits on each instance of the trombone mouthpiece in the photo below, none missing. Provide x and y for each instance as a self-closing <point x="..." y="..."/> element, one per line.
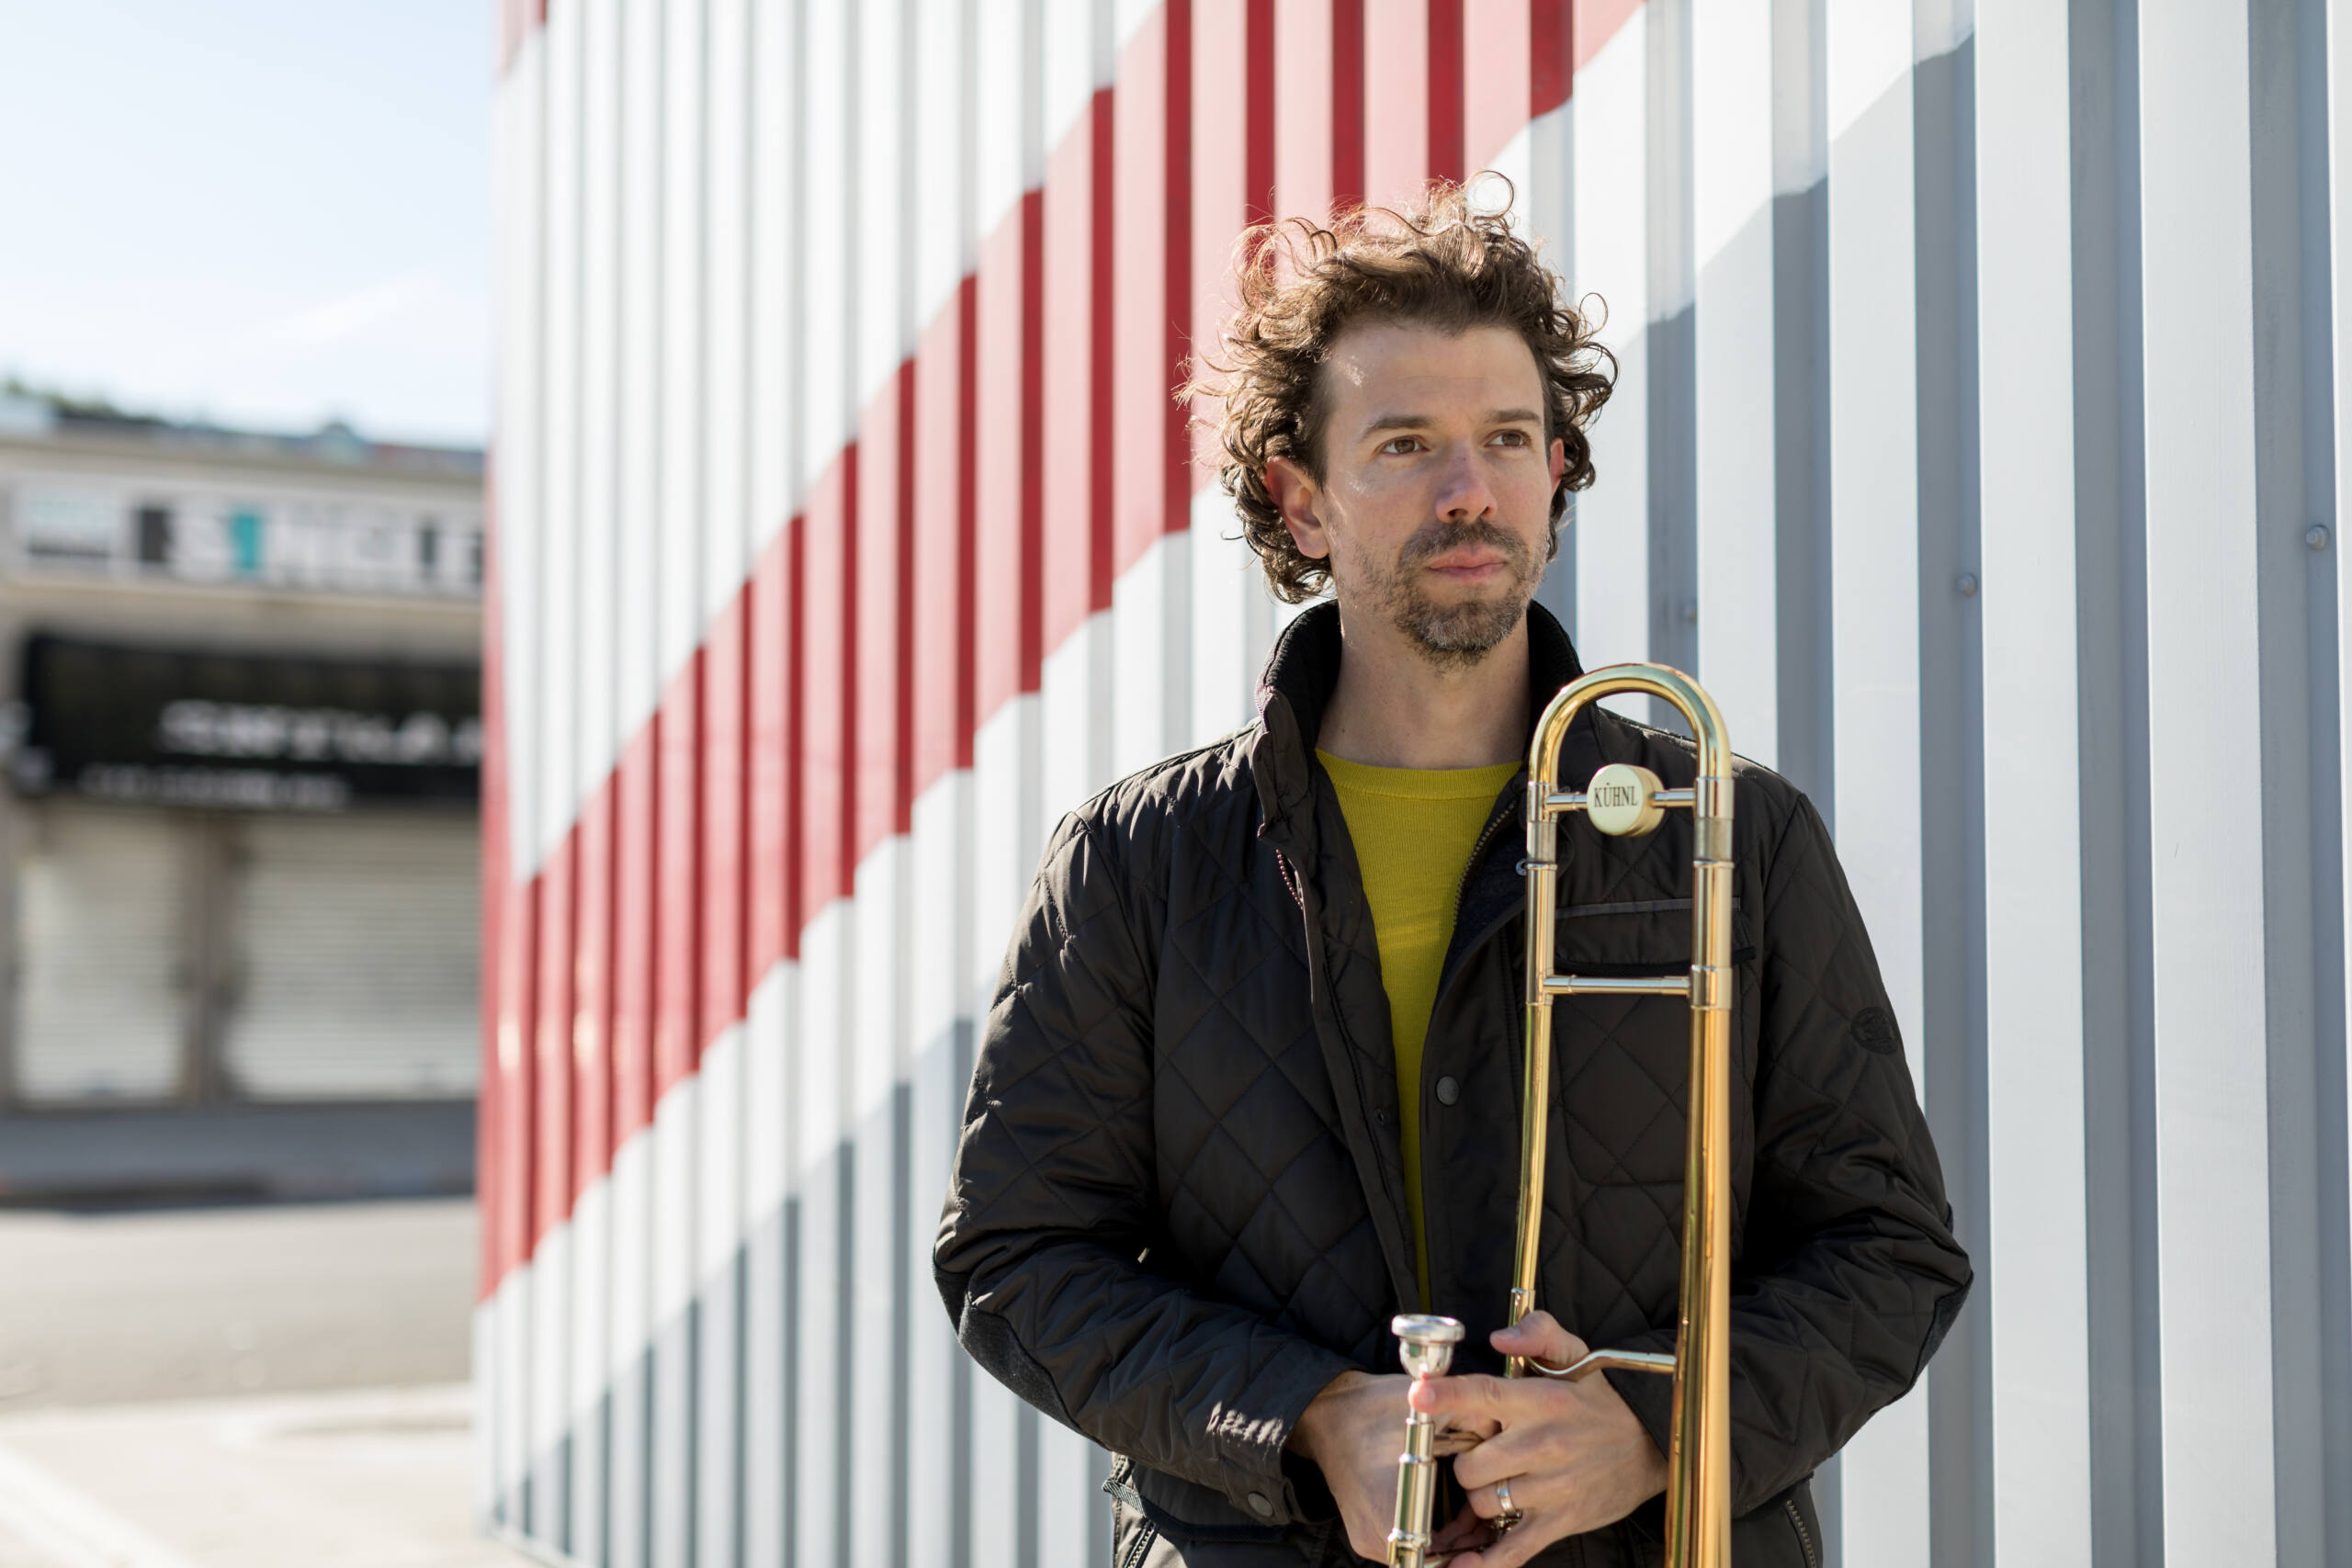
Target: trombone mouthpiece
<point x="1426" y="1342"/>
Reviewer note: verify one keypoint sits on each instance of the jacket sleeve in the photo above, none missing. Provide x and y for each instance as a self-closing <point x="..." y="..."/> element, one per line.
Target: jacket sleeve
<point x="1051" y="1203"/>
<point x="1847" y="1274"/>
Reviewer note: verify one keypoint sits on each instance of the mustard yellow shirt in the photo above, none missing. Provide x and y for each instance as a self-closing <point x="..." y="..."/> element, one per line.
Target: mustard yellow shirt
<point x="1413" y="830"/>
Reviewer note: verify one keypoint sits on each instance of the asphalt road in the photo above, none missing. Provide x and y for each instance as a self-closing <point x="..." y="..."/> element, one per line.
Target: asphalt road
<point x="192" y="1302"/>
<point x="261" y="1387"/>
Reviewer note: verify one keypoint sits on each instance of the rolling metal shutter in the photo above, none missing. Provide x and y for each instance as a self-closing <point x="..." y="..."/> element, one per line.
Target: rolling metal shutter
<point x="354" y="942"/>
<point x="100" y="1007"/>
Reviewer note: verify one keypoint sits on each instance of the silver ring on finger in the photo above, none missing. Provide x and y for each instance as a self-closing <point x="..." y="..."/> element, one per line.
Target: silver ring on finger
<point x="1506" y="1515"/>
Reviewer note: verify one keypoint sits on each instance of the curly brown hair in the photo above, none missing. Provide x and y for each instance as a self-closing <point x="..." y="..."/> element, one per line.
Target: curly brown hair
<point x="1447" y="263"/>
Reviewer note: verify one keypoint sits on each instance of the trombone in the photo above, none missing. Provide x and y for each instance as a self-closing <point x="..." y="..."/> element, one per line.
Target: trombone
<point x="1624" y="800"/>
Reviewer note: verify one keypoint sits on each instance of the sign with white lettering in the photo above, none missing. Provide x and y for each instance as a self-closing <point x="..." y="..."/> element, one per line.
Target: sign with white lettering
<point x="245" y="731"/>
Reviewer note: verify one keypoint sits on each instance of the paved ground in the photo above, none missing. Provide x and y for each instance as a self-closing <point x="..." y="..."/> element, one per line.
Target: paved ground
<point x="354" y="1479"/>
<point x="191" y="1303"/>
<point x="238" y="1388"/>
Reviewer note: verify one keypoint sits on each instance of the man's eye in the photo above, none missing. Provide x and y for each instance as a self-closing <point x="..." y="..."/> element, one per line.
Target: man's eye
<point x="1511" y="437"/>
<point x="1400" y="444"/>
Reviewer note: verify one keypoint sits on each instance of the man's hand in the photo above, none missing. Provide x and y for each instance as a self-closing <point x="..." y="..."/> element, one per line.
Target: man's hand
<point x="1353" y="1432"/>
<point x="1573" y="1454"/>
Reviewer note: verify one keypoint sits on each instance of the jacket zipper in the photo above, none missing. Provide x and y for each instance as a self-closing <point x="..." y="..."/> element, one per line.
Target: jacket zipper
<point x="1462" y="888"/>
<point x="1281" y="864"/>
<point x="1805" y="1536"/>
<point x="1147" y="1536"/>
<point x="1477" y="851"/>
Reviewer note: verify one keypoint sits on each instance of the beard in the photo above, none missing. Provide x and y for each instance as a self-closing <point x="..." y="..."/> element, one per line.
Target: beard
<point x="1454" y="635"/>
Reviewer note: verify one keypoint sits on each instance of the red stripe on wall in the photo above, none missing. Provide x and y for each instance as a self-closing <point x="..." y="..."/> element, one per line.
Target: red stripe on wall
<point x="1594" y="24"/>
<point x="592" y="990"/>
<point x="1153" y="130"/>
<point x="512" y="24"/>
<point x="1496" y="78"/>
<point x="1552" y="65"/>
<point x="677" y="937"/>
<point x="1445" y="157"/>
<point x="1258" y="113"/>
<point x="1009" y="384"/>
<point x="1347" y="105"/>
<point x="724" y="721"/>
<point x="774" y="810"/>
<point x="941" y="648"/>
<point x="551" y="1142"/>
<point x="1318" y="106"/>
<point x="637" y="798"/>
<point x="1233" y="176"/>
<point x="1075" y="567"/>
<point x="885" y="517"/>
<point x="1396" y="106"/>
<point x="829" y="695"/>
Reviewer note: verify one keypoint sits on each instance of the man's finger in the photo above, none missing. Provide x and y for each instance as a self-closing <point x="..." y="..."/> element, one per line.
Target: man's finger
<point x="1540" y="1336"/>
<point x="1465" y="1532"/>
<point x="1511" y="1454"/>
<point x="1469" y="1399"/>
<point x="1515" y="1546"/>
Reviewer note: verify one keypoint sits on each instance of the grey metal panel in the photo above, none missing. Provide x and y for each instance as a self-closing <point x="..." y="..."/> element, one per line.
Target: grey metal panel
<point x="938" y="1412"/>
<point x="674" y="1437"/>
<point x="720" y="1284"/>
<point x="1951" y="803"/>
<point x="2301" y="826"/>
<point x="873" y="1417"/>
<point x="820" y="1321"/>
<point x="628" y="1469"/>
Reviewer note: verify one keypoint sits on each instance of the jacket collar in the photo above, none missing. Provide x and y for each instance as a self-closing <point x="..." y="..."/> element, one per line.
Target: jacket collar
<point x="1297" y="684"/>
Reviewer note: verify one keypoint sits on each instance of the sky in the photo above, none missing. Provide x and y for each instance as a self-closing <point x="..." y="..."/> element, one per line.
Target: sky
<point x="261" y="212"/>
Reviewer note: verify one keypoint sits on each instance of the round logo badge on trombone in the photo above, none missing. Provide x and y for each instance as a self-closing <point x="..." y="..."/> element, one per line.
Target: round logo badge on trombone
<point x="1621" y="800"/>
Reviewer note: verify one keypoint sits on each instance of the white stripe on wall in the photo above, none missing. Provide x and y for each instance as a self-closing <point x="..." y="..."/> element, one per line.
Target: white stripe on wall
<point x="1874" y="502"/>
<point x="1735" y="367"/>
<point x="2212" y="1009"/>
<point x="516" y="468"/>
<point x="1611" y="259"/>
<point x="2037" y="1280"/>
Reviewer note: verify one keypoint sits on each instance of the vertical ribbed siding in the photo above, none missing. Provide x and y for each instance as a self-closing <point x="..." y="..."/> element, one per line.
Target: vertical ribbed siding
<point x="1975" y="417"/>
<point x="2037" y="1305"/>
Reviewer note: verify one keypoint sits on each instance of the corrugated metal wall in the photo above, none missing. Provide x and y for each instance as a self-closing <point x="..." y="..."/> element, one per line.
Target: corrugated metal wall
<point x="1976" y="443"/>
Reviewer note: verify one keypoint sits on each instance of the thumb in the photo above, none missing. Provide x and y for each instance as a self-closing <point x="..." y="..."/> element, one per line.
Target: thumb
<point x="1539" y="1338"/>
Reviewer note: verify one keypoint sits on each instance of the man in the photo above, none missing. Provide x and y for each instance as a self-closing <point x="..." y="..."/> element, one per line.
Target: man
<point x="1249" y="1087"/>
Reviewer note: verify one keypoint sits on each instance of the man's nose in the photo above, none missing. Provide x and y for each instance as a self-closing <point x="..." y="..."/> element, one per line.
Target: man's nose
<point x="1463" y="494"/>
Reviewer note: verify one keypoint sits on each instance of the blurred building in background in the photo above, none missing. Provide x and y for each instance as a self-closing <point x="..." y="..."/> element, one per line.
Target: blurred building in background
<point x="242" y="745"/>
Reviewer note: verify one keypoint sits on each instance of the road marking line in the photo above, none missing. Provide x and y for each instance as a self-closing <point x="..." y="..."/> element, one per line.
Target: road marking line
<point x="71" y="1526"/>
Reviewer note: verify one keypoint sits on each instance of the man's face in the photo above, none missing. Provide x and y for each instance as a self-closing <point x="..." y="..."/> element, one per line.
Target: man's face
<point x="1435" y="503"/>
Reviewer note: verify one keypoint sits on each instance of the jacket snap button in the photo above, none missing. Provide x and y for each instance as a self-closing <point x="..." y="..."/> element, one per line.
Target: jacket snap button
<point x="1261" y="1505"/>
<point x="1448" y="1091"/>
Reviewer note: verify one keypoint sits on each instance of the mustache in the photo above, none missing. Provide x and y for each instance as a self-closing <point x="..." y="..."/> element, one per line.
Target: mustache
<point x="1433" y="539"/>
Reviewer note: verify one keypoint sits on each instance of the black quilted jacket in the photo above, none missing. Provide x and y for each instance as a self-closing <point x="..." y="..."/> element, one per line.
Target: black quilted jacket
<point x="1178" y="1206"/>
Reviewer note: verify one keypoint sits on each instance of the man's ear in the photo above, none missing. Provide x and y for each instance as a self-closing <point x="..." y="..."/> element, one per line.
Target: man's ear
<point x="1300" y="501"/>
<point x="1557" y="461"/>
